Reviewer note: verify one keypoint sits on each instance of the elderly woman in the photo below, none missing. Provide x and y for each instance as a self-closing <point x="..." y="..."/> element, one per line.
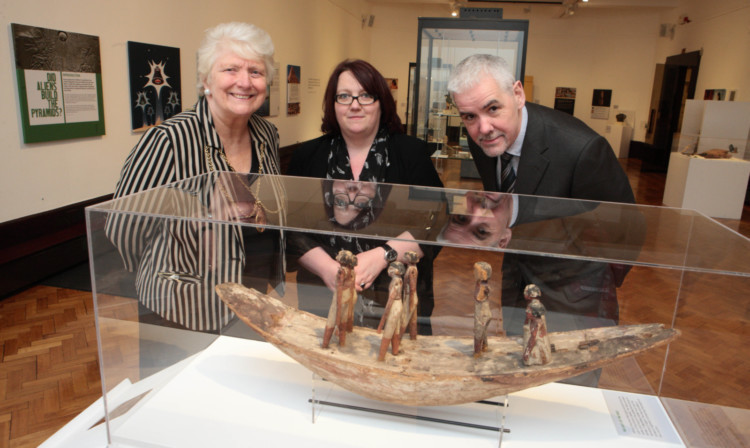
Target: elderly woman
<point x="222" y="133"/>
<point x="363" y="141"/>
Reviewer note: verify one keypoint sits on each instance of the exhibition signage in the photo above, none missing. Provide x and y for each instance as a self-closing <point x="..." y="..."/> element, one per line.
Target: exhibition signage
<point x="59" y="84"/>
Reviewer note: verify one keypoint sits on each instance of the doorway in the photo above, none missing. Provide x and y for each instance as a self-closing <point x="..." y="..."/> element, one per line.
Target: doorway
<point x="674" y="83"/>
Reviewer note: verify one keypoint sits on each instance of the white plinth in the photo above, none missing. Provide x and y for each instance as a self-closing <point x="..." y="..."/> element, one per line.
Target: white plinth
<point x="619" y="138"/>
<point x="714" y="187"/>
<point x="240" y="393"/>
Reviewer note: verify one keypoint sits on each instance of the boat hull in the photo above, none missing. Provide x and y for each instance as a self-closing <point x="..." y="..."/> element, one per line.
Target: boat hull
<point x="433" y="370"/>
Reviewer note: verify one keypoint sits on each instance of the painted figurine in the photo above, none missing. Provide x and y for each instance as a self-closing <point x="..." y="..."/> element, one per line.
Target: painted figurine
<point x="482" y="313"/>
<point x="341" y="313"/>
<point x="390" y="323"/>
<point x="537" y="349"/>
<point x="410" y="295"/>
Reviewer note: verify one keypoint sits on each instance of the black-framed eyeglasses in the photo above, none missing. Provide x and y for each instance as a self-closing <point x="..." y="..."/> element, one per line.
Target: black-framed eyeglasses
<point x="364" y="99"/>
<point x="360" y="201"/>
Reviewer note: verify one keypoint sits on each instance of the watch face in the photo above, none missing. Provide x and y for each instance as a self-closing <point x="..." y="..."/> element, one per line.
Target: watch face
<point x="390" y="253"/>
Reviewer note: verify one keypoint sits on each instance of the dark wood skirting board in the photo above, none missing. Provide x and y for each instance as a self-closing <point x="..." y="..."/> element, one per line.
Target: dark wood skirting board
<point x="35" y="247"/>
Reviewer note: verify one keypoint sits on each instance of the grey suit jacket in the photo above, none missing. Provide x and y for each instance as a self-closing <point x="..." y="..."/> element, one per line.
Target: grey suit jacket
<point x="561" y="157"/>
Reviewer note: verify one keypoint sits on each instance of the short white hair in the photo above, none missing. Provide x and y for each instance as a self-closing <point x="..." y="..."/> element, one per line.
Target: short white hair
<point x="243" y="39"/>
<point x="470" y="71"/>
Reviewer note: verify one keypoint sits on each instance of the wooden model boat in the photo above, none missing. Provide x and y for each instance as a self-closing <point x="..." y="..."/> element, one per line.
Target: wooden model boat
<point x="433" y="370"/>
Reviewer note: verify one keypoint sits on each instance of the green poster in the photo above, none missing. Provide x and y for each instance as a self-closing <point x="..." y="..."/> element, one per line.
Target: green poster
<point x="59" y="84"/>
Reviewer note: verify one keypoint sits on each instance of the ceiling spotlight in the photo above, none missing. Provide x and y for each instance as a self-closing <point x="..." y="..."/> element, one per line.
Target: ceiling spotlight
<point x="455" y="8"/>
<point x="569" y="7"/>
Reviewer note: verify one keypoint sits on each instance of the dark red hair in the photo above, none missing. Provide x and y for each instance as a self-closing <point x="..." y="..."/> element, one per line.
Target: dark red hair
<point x="373" y="83"/>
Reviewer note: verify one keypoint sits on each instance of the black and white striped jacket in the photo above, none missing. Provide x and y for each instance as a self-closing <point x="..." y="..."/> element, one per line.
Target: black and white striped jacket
<point x="178" y="262"/>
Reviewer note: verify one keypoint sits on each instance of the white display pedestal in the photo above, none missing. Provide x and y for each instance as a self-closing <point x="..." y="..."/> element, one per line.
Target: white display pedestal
<point x="619" y="138"/>
<point x="714" y="187"/>
<point x="714" y="124"/>
<point x="240" y="393"/>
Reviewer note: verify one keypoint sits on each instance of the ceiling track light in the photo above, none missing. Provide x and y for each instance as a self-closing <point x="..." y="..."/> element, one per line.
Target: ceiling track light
<point x="570" y="7"/>
<point x="455" y="6"/>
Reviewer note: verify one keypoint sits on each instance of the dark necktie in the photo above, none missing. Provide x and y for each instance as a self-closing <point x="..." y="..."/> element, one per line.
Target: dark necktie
<point x="508" y="174"/>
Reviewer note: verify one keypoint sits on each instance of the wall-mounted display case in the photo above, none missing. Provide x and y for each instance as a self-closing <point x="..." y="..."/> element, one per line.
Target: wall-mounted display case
<point x="179" y="369"/>
<point x="443" y="43"/>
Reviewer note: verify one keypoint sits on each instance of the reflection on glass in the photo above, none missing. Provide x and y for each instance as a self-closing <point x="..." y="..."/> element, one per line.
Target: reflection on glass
<point x="239" y="204"/>
<point x="353" y="204"/>
<point x="479" y="219"/>
<point x="178" y="262"/>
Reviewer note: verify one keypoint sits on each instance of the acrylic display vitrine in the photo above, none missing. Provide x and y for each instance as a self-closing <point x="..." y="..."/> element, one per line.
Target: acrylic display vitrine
<point x="178" y="369"/>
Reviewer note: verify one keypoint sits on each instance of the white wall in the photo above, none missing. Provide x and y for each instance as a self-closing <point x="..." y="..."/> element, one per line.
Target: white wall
<point x="721" y="30"/>
<point x="43" y="176"/>
<point x="597" y="48"/>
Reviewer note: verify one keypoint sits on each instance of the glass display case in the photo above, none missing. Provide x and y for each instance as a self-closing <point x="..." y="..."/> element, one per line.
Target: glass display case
<point x="442" y="44"/>
<point x="178" y="368"/>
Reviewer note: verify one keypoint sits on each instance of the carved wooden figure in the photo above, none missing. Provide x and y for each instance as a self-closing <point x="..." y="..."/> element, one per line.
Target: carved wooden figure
<point x="350" y="292"/>
<point x="340" y="315"/>
<point x="393" y="314"/>
<point x="537" y="349"/>
<point x="410" y="295"/>
<point x="482" y="313"/>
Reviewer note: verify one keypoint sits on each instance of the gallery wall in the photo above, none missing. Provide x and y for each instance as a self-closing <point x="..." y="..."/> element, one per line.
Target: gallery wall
<point x="720" y="29"/>
<point x="313" y="34"/>
<point x="598" y="48"/>
<point x="595" y="49"/>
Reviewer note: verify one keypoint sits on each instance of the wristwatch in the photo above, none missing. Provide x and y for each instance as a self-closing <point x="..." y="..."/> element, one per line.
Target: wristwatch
<point x="390" y="253"/>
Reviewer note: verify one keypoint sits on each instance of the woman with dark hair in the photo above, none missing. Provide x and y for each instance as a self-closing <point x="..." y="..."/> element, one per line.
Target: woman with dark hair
<point x="362" y="73"/>
<point x="363" y="141"/>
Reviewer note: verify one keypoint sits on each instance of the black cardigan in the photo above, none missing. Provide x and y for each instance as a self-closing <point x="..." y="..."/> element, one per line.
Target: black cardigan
<point x="410" y="164"/>
<point x="409" y="156"/>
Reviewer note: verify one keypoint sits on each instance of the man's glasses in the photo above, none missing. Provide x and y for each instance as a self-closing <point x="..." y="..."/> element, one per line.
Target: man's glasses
<point x="364" y="99"/>
<point x="360" y="201"/>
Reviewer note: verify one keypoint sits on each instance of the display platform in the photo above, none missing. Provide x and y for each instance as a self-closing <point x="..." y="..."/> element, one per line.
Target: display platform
<point x="239" y="392"/>
<point x="715" y="187"/>
<point x="619" y="139"/>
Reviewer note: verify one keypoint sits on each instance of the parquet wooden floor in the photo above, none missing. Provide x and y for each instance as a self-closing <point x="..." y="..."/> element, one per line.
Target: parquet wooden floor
<point x="48" y="355"/>
<point x="49" y="370"/>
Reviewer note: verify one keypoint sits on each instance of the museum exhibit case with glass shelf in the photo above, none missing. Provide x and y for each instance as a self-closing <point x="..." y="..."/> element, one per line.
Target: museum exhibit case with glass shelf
<point x="178" y="368"/>
<point x="442" y="44"/>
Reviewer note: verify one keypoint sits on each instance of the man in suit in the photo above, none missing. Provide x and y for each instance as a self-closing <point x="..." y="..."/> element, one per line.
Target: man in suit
<point x="530" y="149"/>
<point x="554" y="154"/>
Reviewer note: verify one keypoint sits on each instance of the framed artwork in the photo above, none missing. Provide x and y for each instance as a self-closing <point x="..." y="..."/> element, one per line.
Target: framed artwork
<point x="155" y="87"/>
<point x="565" y="99"/>
<point x="600" y="103"/>
<point x="293" y="80"/>
<point x="410" y="95"/>
<point x="393" y="87"/>
<point x="270" y="106"/>
<point x="59" y="77"/>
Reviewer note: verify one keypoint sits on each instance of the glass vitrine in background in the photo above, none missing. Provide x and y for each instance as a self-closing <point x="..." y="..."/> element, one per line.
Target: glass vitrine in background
<point x="442" y="44"/>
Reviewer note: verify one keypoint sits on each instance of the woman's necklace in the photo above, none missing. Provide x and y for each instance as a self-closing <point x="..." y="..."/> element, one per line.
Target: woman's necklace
<point x="262" y="160"/>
